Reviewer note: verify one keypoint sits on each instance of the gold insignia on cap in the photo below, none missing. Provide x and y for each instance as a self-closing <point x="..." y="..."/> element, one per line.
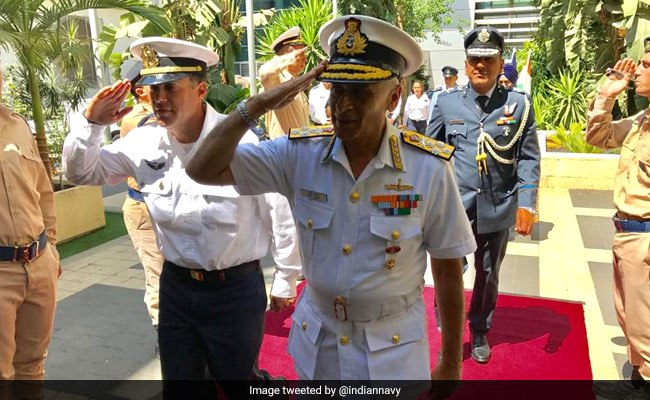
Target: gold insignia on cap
<point x="394" y="149"/>
<point x="351" y="42"/>
<point x="484" y="36"/>
<point x="435" y="147"/>
<point x="149" y="57"/>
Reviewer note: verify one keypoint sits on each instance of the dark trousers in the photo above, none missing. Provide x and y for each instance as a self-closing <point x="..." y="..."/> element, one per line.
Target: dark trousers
<point x="216" y="324"/>
<point x="417" y="126"/>
<point x="488" y="257"/>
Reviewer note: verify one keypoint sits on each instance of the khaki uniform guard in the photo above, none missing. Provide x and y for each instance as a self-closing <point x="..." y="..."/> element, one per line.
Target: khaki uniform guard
<point x="136" y="215"/>
<point x="29" y="262"/>
<point x="632" y="202"/>
<point x="282" y="68"/>
<point x="631" y="243"/>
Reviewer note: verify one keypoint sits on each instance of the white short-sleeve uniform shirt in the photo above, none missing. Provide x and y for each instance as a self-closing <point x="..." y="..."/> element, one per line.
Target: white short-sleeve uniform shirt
<point x="344" y="241"/>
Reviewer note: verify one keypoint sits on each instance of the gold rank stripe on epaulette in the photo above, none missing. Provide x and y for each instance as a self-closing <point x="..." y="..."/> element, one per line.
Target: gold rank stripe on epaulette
<point x="311" y="131"/>
<point x="435" y="147"/>
<point x="394" y="149"/>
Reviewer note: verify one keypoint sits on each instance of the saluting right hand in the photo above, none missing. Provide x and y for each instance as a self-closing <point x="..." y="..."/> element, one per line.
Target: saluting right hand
<point x="297" y="54"/>
<point x="104" y="108"/>
<point x="283" y="94"/>
<point x="619" y="78"/>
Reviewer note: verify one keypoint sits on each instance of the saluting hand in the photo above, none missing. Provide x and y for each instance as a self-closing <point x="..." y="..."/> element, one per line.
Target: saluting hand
<point x="618" y="78"/>
<point x="104" y="108"/>
<point x="281" y="95"/>
<point x="297" y="54"/>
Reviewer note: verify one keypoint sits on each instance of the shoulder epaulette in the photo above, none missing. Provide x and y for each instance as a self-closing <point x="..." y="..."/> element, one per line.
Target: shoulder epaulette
<point x="311" y="132"/>
<point x="433" y="146"/>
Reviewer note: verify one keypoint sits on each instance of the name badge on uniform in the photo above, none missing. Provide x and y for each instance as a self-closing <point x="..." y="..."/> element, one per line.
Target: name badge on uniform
<point x="456" y="122"/>
<point x="310" y="194"/>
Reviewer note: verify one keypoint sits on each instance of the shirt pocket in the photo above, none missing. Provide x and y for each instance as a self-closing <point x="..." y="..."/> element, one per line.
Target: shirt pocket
<point x="643" y="174"/>
<point x="395" y="339"/>
<point x="223" y="207"/>
<point x="313" y="226"/>
<point x="395" y="238"/>
<point x="157" y="190"/>
<point x="456" y="133"/>
<point x="304" y="338"/>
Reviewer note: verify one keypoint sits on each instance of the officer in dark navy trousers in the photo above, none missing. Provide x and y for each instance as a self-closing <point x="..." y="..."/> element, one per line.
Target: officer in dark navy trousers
<point x="497" y="165"/>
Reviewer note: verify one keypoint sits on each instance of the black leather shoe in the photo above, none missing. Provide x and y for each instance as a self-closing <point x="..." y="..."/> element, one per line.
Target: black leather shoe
<point x="481" y="352"/>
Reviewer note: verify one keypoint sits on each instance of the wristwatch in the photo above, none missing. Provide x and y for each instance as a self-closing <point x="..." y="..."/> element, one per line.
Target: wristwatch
<point x="245" y="116"/>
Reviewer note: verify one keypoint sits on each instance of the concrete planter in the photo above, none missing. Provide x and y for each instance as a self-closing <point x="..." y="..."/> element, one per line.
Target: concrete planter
<point x="576" y="170"/>
<point x="79" y="210"/>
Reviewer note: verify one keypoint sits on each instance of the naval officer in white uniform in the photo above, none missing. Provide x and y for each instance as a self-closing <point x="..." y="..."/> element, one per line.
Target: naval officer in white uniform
<point x="212" y="291"/>
<point x="370" y="201"/>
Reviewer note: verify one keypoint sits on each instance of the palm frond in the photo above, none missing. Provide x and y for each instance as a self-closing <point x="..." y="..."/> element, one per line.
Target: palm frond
<point x="309" y="15"/>
<point x="10" y="11"/>
<point x="9" y="37"/>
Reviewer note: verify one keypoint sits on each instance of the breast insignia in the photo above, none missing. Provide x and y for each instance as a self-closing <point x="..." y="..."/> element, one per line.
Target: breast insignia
<point x="428" y="144"/>
<point x="311" y="131"/>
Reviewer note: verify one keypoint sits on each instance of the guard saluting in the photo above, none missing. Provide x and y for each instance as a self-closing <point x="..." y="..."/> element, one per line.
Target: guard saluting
<point x="497" y="165"/>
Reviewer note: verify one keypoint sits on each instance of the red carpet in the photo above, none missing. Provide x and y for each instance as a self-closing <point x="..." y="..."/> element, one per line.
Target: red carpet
<point x="531" y="339"/>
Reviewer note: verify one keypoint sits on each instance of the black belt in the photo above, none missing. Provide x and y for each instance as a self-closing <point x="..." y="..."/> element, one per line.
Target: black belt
<point x="24" y="253"/>
<point x="221" y="275"/>
<point x="628" y="225"/>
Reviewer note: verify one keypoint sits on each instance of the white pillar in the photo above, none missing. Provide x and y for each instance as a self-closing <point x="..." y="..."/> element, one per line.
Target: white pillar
<point x="250" y="35"/>
<point x="93" y="21"/>
<point x="335" y="8"/>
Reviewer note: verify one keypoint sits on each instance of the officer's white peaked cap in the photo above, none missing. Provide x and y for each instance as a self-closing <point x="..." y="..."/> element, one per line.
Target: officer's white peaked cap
<point x="290" y="37"/>
<point x="378" y="44"/>
<point x="167" y="59"/>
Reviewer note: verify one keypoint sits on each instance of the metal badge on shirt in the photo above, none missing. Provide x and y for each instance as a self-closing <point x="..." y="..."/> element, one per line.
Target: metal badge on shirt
<point x="155" y="165"/>
<point x="310" y="194"/>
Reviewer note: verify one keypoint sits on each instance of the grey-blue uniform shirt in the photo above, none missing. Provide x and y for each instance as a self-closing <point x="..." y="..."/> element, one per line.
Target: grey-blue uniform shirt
<point x="491" y="200"/>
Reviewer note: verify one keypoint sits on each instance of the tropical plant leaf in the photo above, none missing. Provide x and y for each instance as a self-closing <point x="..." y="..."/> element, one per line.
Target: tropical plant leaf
<point x="48" y="14"/>
<point x="309" y="15"/>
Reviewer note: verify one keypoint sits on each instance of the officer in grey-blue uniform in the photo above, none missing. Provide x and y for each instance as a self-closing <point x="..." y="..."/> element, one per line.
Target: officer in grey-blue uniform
<point x="497" y="165"/>
<point x="450" y="75"/>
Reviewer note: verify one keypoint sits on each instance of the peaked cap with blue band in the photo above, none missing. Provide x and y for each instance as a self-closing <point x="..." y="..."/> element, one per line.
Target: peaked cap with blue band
<point x="363" y="49"/>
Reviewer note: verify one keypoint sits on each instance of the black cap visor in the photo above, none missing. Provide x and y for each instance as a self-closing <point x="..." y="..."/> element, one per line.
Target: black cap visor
<point x="158" y="79"/>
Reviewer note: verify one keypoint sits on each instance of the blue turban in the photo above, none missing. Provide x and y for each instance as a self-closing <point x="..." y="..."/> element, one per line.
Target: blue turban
<point x="510" y="72"/>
